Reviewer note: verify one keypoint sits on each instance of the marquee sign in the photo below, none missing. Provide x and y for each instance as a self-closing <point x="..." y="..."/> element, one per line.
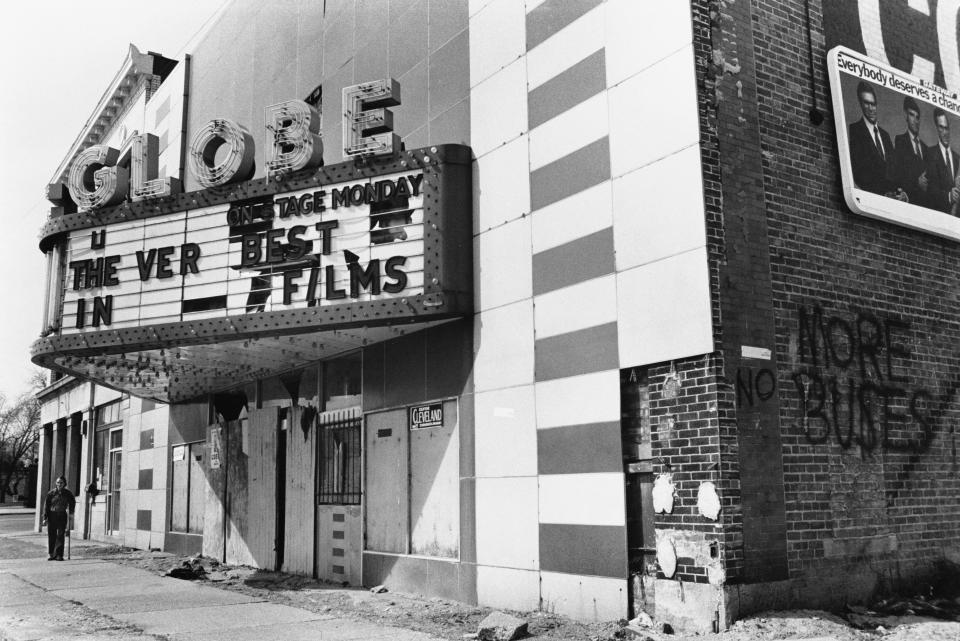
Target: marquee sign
<point x="897" y="137"/>
<point x="175" y="296"/>
<point x="169" y="295"/>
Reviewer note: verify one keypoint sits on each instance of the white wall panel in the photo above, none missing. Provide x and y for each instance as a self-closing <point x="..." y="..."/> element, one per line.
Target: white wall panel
<point x="658" y="210"/>
<point x="582" y="499"/>
<point x="664" y="310"/>
<point x="503" y="185"/>
<point x="576" y="400"/>
<point x="507" y="529"/>
<point x="587" y="304"/>
<point x="497" y="38"/>
<point x="641" y="33"/>
<point x="503" y="340"/>
<point x="647" y="126"/>
<point x="502" y="99"/>
<point x="585" y="598"/>
<point x="505" y="432"/>
<point x="503" y="267"/>
<point x="508" y="588"/>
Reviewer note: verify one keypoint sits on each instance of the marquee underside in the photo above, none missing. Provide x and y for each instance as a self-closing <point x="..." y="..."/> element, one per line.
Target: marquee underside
<point x="171" y="371"/>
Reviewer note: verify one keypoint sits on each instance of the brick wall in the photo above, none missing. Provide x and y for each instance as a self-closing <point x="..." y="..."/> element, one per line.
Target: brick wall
<point x="864" y="321"/>
<point x="686" y="445"/>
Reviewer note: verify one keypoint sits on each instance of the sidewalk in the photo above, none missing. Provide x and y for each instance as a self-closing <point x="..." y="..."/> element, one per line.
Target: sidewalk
<point x="12" y="508"/>
<point x="39" y="599"/>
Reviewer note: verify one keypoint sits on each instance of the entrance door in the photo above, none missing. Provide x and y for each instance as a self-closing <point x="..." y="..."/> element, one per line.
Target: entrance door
<point x="638" y="474"/>
<point x="116" y="458"/>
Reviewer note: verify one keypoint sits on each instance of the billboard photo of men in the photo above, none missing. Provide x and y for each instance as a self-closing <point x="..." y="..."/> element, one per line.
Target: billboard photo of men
<point x="871" y="148"/>
<point x="942" y="167"/>
<point x="908" y="166"/>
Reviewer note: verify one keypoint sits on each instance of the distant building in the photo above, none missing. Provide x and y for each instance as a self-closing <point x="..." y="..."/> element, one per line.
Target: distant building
<point x="582" y="310"/>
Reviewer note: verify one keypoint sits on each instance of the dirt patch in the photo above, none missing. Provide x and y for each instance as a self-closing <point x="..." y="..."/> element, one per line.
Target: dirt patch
<point x="456" y="621"/>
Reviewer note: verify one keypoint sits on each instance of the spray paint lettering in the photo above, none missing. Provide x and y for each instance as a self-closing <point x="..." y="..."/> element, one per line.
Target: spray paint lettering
<point x="854" y="384"/>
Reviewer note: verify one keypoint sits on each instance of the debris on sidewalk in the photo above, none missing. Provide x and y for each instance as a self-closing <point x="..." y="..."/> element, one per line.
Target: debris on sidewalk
<point x="642" y="620"/>
<point x="890" y="612"/>
<point x="190" y="570"/>
<point x="499" y="626"/>
<point x="378" y="589"/>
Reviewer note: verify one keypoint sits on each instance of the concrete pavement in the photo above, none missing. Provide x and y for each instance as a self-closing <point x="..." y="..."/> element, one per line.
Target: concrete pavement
<point x="95" y="599"/>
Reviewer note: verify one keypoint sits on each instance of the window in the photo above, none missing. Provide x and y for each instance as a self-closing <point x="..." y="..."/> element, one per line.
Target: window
<point x="186" y="488"/>
<point x="339" y="442"/>
<point x="339" y="458"/>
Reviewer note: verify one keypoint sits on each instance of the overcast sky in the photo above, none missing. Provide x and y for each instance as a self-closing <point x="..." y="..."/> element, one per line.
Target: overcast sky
<point x="56" y="59"/>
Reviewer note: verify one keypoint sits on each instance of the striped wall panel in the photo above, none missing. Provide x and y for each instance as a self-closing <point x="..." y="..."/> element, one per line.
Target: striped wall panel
<point x="579" y="449"/>
<point x="592" y="550"/>
<point x="553" y="15"/>
<point x="579" y="170"/>
<point x="585" y="351"/>
<point x="582" y="259"/>
<point x="579" y="454"/>
<point x="567" y="89"/>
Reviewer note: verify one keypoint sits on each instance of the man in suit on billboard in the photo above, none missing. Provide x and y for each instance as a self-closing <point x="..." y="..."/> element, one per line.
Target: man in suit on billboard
<point x="870" y="147"/>
<point x="942" y="166"/>
<point x="908" y="165"/>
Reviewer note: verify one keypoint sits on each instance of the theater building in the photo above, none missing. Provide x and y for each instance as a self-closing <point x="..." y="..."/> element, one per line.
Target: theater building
<point x="589" y="307"/>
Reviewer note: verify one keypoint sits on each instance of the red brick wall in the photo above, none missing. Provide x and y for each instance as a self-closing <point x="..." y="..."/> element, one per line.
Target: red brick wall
<point x="876" y="303"/>
<point x="686" y="444"/>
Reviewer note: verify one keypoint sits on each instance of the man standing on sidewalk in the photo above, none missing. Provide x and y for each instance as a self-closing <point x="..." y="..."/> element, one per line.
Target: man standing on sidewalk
<point x="58" y="517"/>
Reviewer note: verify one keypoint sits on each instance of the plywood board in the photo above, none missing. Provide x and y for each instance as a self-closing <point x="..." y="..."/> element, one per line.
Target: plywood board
<point x="386" y="483"/>
<point x="238" y="518"/>
<point x="435" y="488"/>
<point x="214" y="485"/>
<point x="262" y="487"/>
<point x="299" y="520"/>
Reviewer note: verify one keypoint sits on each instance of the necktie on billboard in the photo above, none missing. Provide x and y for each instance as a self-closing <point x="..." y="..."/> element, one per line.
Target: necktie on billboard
<point x="876" y="138"/>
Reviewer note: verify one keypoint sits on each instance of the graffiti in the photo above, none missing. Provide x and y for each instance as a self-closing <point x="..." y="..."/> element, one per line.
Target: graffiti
<point x="755" y="385"/>
<point x="854" y="386"/>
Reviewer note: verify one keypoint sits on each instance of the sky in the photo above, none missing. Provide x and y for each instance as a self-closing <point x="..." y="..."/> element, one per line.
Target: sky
<point x="56" y="59"/>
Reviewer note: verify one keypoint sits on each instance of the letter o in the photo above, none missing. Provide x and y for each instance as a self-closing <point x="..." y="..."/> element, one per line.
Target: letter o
<point x="236" y="163"/>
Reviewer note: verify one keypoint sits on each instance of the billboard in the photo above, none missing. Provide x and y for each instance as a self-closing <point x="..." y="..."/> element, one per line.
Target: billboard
<point x="897" y="139"/>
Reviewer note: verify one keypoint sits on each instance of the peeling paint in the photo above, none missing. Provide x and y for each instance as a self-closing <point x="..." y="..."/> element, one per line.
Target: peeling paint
<point x="695" y="546"/>
<point x="667" y="557"/>
<point x="663" y="494"/>
<point x="708" y="503"/>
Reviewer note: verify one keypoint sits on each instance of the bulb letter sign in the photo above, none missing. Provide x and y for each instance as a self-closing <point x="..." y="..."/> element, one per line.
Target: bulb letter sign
<point x="222" y="151"/>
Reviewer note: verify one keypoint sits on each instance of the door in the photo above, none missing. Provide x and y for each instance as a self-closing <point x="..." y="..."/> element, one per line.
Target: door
<point x="638" y="476"/>
<point x="116" y="459"/>
<point x="387" y="510"/>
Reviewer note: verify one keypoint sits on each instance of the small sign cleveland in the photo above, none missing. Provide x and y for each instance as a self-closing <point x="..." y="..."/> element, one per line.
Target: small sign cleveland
<point x="424" y="416"/>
